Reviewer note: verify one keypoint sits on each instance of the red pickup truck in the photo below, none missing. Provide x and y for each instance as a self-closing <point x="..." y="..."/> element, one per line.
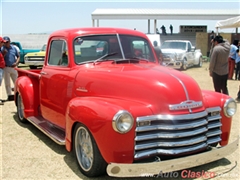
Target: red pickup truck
<point x="118" y="110"/>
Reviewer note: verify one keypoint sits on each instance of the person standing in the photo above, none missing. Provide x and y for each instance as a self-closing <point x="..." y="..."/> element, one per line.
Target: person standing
<point x="218" y="67"/>
<point x="237" y="62"/>
<point x="2" y="65"/>
<point x="231" y="58"/>
<point x="158" y="52"/>
<point x="212" y="35"/>
<point x="11" y="57"/>
<point x="171" y="29"/>
<point x="163" y="30"/>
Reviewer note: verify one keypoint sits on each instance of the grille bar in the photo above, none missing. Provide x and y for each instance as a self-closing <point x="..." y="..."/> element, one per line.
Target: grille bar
<point x="173" y="143"/>
<point x="172" y="134"/>
<point x="164" y="126"/>
<point x="169" y="151"/>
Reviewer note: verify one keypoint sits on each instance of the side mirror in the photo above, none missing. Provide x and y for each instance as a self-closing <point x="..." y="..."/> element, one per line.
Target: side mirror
<point x="193" y="48"/>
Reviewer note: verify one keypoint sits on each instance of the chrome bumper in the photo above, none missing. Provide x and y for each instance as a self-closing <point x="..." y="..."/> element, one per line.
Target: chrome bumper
<point x="154" y="168"/>
<point x="34" y="63"/>
<point x="173" y="64"/>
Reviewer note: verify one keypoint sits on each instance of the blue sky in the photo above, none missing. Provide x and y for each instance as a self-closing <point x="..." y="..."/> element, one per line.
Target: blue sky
<point x="45" y="16"/>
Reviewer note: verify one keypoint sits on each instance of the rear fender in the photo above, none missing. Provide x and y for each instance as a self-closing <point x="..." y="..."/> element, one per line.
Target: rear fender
<point x="29" y="91"/>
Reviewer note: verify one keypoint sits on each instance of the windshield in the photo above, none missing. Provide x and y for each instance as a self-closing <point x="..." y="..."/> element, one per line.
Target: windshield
<point x="173" y="45"/>
<point x="111" y="47"/>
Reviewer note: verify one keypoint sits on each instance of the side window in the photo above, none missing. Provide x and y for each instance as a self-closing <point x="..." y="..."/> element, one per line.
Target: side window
<point x="189" y="47"/>
<point x="141" y="49"/>
<point x="58" y="55"/>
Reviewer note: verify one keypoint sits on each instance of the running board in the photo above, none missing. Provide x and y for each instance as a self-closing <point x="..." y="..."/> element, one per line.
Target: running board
<point x="53" y="132"/>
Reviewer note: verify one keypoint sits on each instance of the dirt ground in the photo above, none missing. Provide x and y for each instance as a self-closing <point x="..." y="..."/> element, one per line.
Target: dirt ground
<point x="27" y="154"/>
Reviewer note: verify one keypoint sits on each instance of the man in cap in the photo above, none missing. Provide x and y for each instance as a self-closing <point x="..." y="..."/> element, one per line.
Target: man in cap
<point x="218" y="67"/>
<point x="2" y="64"/>
<point x="10" y="53"/>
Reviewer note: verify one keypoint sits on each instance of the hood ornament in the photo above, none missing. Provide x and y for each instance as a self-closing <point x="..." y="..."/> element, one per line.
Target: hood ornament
<point x="189" y="104"/>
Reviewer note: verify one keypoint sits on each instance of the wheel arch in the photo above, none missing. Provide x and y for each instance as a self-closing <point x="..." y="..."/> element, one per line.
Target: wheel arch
<point x="28" y="89"/>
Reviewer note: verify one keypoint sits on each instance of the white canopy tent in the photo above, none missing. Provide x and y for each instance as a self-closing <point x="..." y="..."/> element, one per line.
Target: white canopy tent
<point x="228" y="23"/>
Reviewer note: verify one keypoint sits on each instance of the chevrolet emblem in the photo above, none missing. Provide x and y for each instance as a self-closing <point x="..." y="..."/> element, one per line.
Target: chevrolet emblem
<point x="185" y="105"/>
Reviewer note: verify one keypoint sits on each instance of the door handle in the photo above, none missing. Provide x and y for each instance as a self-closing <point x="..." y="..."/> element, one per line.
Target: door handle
<point x="43" y="73"/>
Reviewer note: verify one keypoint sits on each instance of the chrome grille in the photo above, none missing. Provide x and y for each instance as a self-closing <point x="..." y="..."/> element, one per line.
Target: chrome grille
<point x="35" y="58"/>
<point x="162" y="135"/>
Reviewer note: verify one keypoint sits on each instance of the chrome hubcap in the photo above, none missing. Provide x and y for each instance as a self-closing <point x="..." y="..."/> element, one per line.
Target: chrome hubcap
<point x="84" y="149"/>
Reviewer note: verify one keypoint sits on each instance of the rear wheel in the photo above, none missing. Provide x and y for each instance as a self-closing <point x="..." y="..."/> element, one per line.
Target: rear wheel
<point x="20" y="109"/>
<point x="200" y="61"/>
<point x="88" y="157"/>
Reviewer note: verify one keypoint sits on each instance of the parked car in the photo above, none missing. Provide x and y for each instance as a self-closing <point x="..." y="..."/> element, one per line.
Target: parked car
<point x="121" y="112"/>
<point x="180" y="54"/>
<point x="23" y="51"/>
<point x="35" y="59"/>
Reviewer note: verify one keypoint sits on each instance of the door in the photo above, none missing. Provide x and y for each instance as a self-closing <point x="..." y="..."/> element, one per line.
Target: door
<point x="190" y="54"/>
<point x="55" y="83"/>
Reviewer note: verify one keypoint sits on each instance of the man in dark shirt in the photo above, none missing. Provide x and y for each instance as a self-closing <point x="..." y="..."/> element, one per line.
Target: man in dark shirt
<point x="218" y="67"/>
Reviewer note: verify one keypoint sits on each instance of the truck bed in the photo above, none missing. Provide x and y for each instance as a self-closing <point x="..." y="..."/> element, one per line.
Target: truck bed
<point x="28" y="72"/>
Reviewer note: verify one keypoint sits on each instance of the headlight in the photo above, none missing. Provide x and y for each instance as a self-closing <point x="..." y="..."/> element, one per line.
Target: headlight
<point x="230" y="107"/>
<point x="26" y="57"/>
<point x="122" y="121"/>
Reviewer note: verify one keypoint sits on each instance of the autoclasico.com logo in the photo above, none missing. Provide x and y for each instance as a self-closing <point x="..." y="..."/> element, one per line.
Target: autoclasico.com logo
<point x="185" y="174"/>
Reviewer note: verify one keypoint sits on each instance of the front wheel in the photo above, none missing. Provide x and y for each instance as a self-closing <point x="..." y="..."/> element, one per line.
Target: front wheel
<point x="20" y="109"/>
<point x="184" y="64"/>
<point x="88" y="157"/>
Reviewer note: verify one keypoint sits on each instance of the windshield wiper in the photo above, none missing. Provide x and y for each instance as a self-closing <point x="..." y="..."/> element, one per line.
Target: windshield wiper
<point x="104" y="56"/>
<point x="135" y="58"/>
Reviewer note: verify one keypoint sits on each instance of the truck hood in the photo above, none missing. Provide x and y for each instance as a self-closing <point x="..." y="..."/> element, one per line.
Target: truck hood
<point x="155" y="86"/>
<point x="170" y="51"/>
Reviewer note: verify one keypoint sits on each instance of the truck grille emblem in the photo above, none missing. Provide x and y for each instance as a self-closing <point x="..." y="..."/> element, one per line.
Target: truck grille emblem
<point x="185" y="105"/>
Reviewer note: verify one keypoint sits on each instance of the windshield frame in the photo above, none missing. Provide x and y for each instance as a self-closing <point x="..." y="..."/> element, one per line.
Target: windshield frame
<point x="110" y="39"/>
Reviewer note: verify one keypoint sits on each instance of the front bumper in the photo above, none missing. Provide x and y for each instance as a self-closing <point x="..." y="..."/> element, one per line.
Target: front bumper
<point x="154" y="168"/>
<point x="173" y="64"/>
<point x="34" y="63"/>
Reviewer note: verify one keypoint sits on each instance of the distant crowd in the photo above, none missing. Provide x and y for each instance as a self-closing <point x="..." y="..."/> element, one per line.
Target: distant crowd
<point x="164" y="31"/>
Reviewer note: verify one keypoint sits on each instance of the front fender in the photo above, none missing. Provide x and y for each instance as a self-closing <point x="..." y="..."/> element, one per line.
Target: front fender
<point x="29" y="91"/>
<point x="97" y="114"/>
<point x="213" y="99"/>
<point x="197" y="55"/>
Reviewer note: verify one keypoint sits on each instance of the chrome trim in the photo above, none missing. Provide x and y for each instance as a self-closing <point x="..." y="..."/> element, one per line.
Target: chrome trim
<point x="172" y="117"/>
<point x="185" y="105"/>
<point x="176" y="151"/>
<point x="176" y="143"/>
<point x="116" y="118"/>
<point x="153" y="168"/>
<point x="173" y="134"/>
<point x="228" y="101"/>
<point x="157" y="135"/>
<point x="173" y="127"/>
<point x="214" y="133"/>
